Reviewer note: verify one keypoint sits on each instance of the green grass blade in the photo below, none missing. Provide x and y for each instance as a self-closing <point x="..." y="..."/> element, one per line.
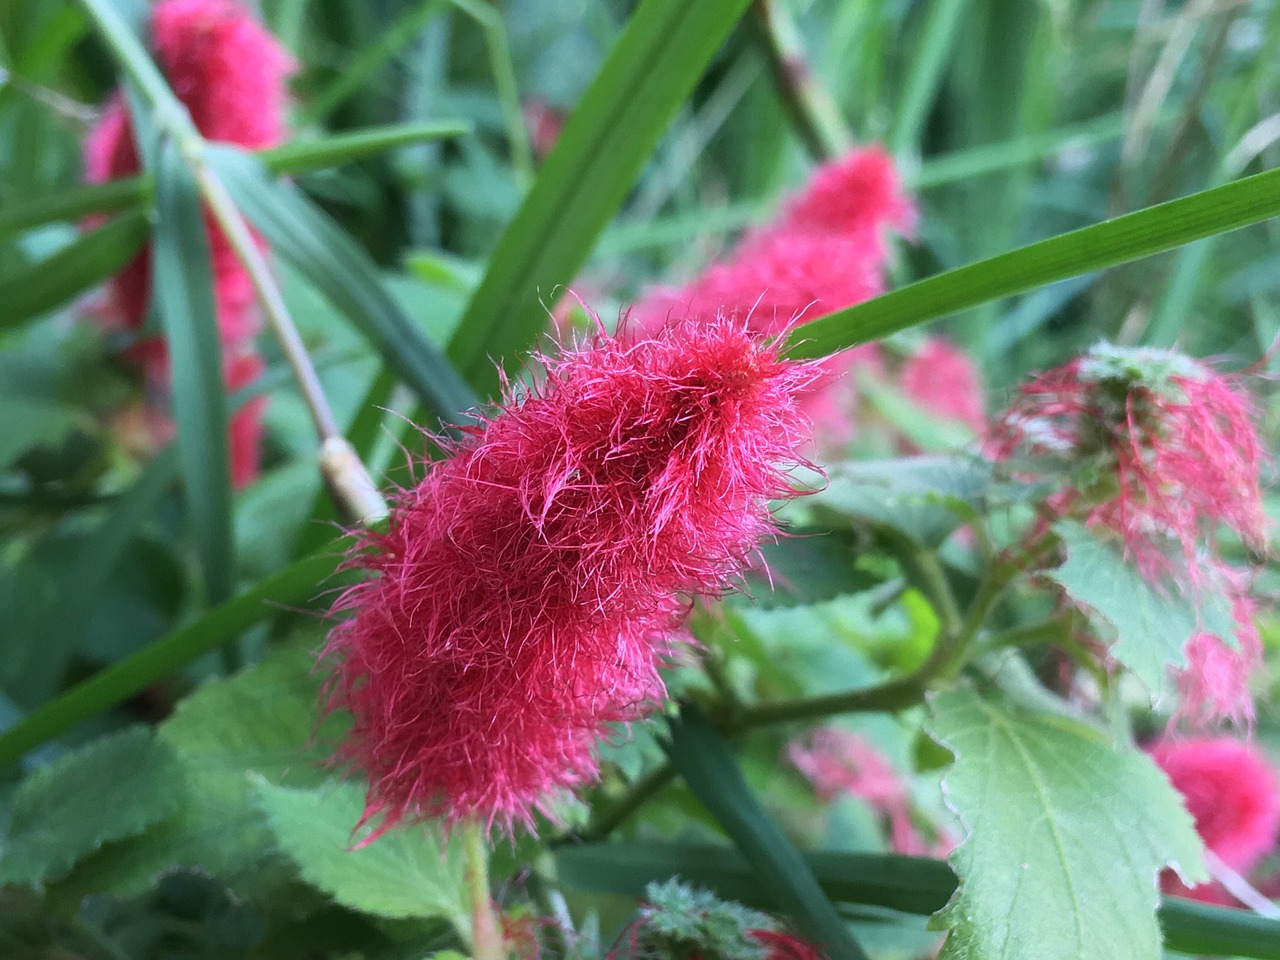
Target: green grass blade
<point x="297" y="156"/>
<point x="707" y="765"/>
<point x="929" y="60"/>
<point x="300" y="156"/>
<point x="75" y="268"/>
<point x="1097" y="247"/>
<point x="296" y="583"/>
<point x="72" y="203"/>
<point x="373" y="56"/>
<point x="182" y="281"/>
<point x="915" y="885"/>
<point x="605" y="142"/>
<point x="343" y="272"/>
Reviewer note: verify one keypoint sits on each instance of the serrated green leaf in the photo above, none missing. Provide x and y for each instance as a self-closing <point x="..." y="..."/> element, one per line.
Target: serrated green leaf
<point x="409" y="871"/>
<point x="182" y="281"/>
<point x="261" y="721"/>
<point x="1151" y="627"/>
<point x="607" y="139"/>
<point x="707" y="765"/>
<point x="298" y="583"/>
<point x="926" y="498"/>
<point x="808" y="565"/>
<point x="1056" y="815"/>
<point x="115" y="787"/>
<point x="342" y="271"/>
<point x="75" y="268"/>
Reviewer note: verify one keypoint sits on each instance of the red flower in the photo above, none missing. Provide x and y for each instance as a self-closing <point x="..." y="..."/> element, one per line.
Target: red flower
<point x="943" y="380"/>
<point x="527" y="590"/>
<point x="1215" y="683"/>
<point x="1232" y="792"/>
<point x="825" y="253"/>
<point x="783" y="946"/>
<point x="1176" y="441"/>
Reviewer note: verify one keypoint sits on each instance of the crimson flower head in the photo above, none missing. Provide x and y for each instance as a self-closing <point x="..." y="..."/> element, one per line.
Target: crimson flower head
<point x="825" y="252"/>
<point x="1215" y="684"/>
<point x="229" y="73"/>
<point x="1166" y="448"/>
<point x="524" y="594"/>
<point x="1232" y="792"/>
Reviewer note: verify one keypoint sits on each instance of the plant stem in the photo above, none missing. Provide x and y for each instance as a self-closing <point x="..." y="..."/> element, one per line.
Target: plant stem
<point x="813" y="113"/>
<point x="343" y="472"/>
<point x="644" y="789"/>
<point x="486" y="935"/>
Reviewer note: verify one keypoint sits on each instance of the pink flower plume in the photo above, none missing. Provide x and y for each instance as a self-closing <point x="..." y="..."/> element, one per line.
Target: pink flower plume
<point x="1232" y="792"/>
<point x="860" y="193"/>
<point x="1178" y="438"/>
<point x="525" y="593"/>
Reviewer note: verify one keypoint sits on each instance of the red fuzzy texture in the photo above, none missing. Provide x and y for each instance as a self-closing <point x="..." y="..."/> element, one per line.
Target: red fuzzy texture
<point x="858" y="193"/>
<point x="526" y="592"/>
<point x="783" y="946"/>
<point x="1184" y="452"/>
<point x="229" y="73"/>
<point x="1232" y="792"/>
<point x="944" y="380"/>
<point x="825" y="253"/>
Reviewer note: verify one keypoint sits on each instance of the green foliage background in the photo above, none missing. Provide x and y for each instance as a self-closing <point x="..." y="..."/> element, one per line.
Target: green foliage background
<point x="417" y="240"/>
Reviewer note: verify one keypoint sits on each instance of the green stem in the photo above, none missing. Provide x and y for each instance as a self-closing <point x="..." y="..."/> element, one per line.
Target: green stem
<point x="486" y="934"/>
<point x="812" y="111"/>
<point x="647" y="787"/>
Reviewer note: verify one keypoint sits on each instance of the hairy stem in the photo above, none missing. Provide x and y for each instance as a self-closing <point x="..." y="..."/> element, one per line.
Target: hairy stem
<point x="486" y="934"/>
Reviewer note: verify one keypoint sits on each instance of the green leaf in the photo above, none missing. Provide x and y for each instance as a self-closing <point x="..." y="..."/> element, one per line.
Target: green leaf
<point x="75" y="268"/>
<point x="605" y="142"/>
<point x="1151" y="627"/>
<point x="182" y="280"/>
<point x="926" y="498"/>
<point x="912" y="885"/>
<point x="262" y="720"/>
<point x="1131" y="237"/>
<point x="115" y="787"/>
<point x="805" y="566"/>
<point x="409" y="871"/>
<point x="1067" y="833"/>
<point x="296" y="584"/>
<point x="709" y="768"/>
<point x="342" y="271"/>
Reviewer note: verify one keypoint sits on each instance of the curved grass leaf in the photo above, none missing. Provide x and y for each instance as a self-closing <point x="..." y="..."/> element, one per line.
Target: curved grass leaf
<point x="182" y="281"/>
<point x="297" y="156"/>
<point x="343" y="272"/>
<point x="913" y="885"/>
<point x="1107" y="244"/>
<point x="75" y="268"/>
<point x="708" y="767"/>
<point x="297" y="583"/>
<point x="605" y="142"/>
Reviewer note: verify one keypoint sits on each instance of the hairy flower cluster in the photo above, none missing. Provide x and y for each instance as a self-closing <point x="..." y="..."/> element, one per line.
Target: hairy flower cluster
<point x="1165" y="453"/>
<point x="678" y="920"/>
<point x="229" y="73"/>
<point x="838" y="762"/>
<point x="825" y="252"/>
<point x="1233" y="793"/>
<point x="526" y="592"/>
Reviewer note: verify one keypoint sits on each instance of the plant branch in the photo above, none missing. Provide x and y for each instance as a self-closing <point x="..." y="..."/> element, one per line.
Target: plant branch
<point x="640" y="793"/>
<point x="486" y="933"/>
<point x="813" y="113"/>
